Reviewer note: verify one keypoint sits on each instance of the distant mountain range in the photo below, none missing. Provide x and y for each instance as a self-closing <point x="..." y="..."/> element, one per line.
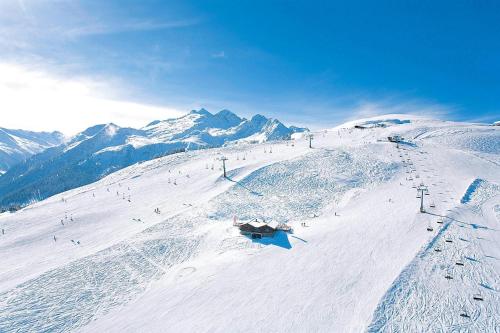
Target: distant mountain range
<point x="103" y="149"/>
<point x="17" y="145"/>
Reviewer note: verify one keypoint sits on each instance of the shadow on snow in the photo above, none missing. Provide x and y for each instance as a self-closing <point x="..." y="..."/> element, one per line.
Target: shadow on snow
<point x="280" y="239"/>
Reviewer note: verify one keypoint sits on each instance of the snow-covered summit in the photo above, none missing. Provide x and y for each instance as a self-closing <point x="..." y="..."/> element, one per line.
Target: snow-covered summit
<point x="17" y="145"/>
<point x="105" y="148"/>
<point x="215" y="129"/>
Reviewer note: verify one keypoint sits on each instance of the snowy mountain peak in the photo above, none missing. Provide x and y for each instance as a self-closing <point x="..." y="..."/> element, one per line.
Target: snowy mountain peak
<point x="17" y="145"/>
<point x="111" y="129"/>
<point x="105" y="148"/>
<point x="91" y="131"/>
<point x="229" y="117"/>
<point x="258" y="119"/>
<point x="201" y="111"/>
<point x="104" y="130"/>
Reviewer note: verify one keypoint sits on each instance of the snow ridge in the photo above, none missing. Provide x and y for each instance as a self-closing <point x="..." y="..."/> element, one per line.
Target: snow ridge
<point x="18" y="145"/>
<point x="103" y="149"/>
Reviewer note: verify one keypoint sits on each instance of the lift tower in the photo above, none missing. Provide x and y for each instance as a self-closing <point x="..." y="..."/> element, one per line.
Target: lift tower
<point x="422" y="189"/>
<point x="310" y="137"/>
<point x="224" y="159"/>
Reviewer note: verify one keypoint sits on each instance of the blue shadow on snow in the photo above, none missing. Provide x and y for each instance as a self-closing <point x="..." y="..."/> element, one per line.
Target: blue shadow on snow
<point x="280" y="239"/>
<point x="470" y="190"/>
<point x="487" y="287"/>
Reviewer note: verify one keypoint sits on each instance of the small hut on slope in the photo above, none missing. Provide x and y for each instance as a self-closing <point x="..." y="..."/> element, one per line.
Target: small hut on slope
<point x="257" y="230"/>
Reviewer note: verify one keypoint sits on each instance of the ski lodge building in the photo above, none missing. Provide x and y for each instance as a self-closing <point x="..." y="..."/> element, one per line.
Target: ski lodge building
<point x="257" y="230"/>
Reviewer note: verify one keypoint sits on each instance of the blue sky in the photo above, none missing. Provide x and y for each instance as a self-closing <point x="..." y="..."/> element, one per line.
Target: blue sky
<point x="308" y="62"/>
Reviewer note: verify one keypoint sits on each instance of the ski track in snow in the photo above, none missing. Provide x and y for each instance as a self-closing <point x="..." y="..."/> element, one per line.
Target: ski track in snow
<point x="421" y="299"/>
<point x="297" y="188"/>
<point x="69" y="297"/>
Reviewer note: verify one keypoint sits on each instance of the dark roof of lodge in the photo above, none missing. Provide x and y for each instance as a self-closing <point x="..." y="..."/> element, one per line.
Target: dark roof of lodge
<point x="257" y="227"/>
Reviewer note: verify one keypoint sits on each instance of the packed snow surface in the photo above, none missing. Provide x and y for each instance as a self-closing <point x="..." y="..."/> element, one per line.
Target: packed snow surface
<point x="152" y="247"/>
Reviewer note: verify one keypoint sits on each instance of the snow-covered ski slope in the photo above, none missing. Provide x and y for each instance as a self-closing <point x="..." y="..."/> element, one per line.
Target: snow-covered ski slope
<point x="365" y="260"/>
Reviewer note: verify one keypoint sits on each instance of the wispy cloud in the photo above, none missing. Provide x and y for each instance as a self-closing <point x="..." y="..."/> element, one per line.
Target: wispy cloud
<point x="38" y="100"/>
<point x="424" y="108"/>
<point x="25" y="23"/>
<point x="22" y="5"/>
<point x="489" y="117"/>
<point x="120" y="27"/>
<point x="319" y="113"/>
<point x="220" y="54"/>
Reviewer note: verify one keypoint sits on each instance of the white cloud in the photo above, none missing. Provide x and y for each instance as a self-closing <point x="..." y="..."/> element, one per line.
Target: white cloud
<point x="145" y="25"/>
<point x="220" y="54"/>
<point x="398" y="106"/>
<point x="37" y="100"/>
